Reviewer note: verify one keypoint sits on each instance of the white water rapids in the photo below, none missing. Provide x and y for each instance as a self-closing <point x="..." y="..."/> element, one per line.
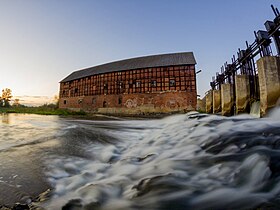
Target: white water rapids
<point x="190" y="161"/>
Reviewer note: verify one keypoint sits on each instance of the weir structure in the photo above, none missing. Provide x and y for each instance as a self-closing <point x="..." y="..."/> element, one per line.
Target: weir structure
<point x="243" y="82"/>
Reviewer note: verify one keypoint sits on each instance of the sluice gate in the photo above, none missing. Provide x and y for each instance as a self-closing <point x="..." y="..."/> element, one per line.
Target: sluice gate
<point x="252" y="76"/>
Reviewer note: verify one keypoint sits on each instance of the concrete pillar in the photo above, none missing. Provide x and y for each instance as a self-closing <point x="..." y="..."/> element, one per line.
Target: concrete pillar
<point x="216" y="101"/>
<point x="209" y="102"/>
<point x="242" y="90"/>
<point x="201" y="103"/>
<point x="269" y="82"/>
<point x="227" y="99"/>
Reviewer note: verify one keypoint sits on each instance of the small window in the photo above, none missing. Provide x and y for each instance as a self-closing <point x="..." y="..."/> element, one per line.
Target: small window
<point x="172" y="83"/>
<point x="63" y="92"/>
<point x="80" y="101"/>
<point x="153" y="83"/>
<point x="76" y="90"/>
<point x="105" y="88"/>
<point x="94" y="101"/>
<point x="104" y="104"/>
<point x="120" y="100"/>
<point x="138" y="84"/>
<point x="65" y="102"/>
<point x="120" y="84"/>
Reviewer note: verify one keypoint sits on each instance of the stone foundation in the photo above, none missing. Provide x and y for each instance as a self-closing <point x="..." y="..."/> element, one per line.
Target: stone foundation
<point x="133" y="103"/>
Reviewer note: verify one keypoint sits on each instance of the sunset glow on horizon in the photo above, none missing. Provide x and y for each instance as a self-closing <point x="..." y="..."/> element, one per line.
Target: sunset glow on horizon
<point x="34" y="100"/>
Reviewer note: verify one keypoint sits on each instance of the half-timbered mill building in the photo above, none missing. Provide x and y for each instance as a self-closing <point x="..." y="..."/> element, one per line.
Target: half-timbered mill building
<point x="150" y="84"/>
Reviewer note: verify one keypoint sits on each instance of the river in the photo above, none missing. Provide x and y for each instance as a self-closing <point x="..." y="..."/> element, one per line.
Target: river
<point x="188" y="161"/>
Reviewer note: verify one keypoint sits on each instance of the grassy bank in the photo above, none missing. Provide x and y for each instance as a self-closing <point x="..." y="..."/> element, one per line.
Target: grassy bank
<point x="53" y="110"/>
<point x="40" y="110"/>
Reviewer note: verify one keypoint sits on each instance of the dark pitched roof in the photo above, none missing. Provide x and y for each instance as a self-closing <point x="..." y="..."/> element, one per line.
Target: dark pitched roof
<point x="172" y="59"/>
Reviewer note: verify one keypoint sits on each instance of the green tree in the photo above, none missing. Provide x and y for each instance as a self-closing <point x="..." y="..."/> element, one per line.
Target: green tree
<point x="6" y="97"/>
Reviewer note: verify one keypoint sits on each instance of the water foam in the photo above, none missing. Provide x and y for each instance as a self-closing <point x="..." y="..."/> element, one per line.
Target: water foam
<point x="192" y="161"/>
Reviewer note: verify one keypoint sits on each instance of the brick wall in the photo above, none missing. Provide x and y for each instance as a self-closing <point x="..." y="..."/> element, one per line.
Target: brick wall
<point x="152" y="102"/>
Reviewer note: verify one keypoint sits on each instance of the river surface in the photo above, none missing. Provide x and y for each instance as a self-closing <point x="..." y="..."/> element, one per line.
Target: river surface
<point x="189" y="161"/>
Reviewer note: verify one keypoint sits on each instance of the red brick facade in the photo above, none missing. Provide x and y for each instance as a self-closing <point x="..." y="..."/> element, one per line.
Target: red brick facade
<point x="158" y="89"/>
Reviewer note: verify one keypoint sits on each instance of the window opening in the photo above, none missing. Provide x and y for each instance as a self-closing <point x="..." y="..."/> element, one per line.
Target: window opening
<point x="138" y="84"/>
<point x="172" y="83"/>
<point x="153" y="83"/>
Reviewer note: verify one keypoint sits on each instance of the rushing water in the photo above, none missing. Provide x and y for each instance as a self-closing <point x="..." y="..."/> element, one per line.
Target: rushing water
<point x="191" y="161"/>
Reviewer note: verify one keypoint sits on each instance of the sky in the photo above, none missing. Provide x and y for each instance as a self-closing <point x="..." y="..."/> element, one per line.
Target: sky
<point x="43" y="41"/>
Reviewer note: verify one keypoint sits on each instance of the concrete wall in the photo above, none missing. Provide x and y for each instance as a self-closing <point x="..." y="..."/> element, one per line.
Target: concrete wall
<point x="242" y="90"/>
<point x="269" y="82"/>
<point x="269" y="90"/>
<point x="216" y="101"/>
<point x="227" y="99"/>
<point x="133" y="103"/>
<point x="201" y="105"/>
<point x="209" y="102"/>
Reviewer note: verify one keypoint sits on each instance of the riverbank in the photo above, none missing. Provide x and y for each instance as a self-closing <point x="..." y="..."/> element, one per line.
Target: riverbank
<point x="42" y="110"/>
<point x="30" y="204"/>
<point x="46" y="110"/>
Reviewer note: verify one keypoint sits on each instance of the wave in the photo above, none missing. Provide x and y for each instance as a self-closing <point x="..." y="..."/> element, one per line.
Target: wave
<point x="191" y="161"/>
